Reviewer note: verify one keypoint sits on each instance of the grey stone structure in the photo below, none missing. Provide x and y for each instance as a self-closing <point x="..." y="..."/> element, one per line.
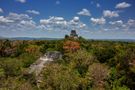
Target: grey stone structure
<point x="73" y="34"/>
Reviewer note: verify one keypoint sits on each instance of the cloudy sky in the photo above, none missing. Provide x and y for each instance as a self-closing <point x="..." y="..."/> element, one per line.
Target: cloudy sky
<point x="95" y="19"/>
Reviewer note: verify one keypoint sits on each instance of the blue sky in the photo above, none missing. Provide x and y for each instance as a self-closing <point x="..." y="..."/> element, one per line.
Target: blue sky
<point x="95" y="19"/>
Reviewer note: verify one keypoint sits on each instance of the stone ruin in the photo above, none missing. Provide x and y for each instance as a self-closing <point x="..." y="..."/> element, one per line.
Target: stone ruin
<point x="54" y="55"/>
<point x="73" y="34"/>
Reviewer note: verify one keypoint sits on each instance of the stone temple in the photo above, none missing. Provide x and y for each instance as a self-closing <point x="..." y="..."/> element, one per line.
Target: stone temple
<point x="54" y="55"/>
<point x="73" y="34"/>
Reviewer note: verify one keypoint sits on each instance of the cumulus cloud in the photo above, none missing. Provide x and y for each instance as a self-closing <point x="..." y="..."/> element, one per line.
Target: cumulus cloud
<point x="21" y="19"/>
<point x="120" y="25"/>
<point x="119" y="22"/>
<point x="5" y="20"/>
<point x="33" y="12"/>
<point x="61" y="23"/>
<point x="76" y="19"/>
<point x="122" y="5"/>
<point x="82" y="25"/>
<point x="16" y="21"/>
<point x="1" y="10"/>
<point x="57" y="18"/>
<point x="23" y="22"/>
<point x="76" y="23"/>
<point x="21" y="1"/>
<point x="99" y="21"/>
<point x="110" y="14"/>
<point x="53" y="23"/>
<point x="131" y="22"/>
<point x="29" y="23"/>
<point x="53" y="20"/>
<point x="18" y="17"/>
<point x="44" y="21"/>
<point x="84" y="12"/>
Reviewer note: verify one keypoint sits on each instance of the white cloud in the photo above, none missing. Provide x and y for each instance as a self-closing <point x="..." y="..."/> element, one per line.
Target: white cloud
<point x="53" y="23"/>
<point x="98" y="5"/>
<point x="127" y="26"/>
<point x="119" y="22"/>
<point x="58" y="18"/>
<point x="76" y="23"/>
<point x="1" y="10"/>
<point x="21" y="1"/>
<point x="110" y="14"/>
<point x="131" y="22"/>
<point x="14" y="22"/>
<point x="33" y="12"/>
<point x="82" y="25"/>
<point x="5" y="20"/>
<point x="122" y="5"/>
<point x="76" y="19"/>
<point x="61" y="24"/>
<point x="99" y="21"/>
<point x="23" y="22"/>
<point x="28" y="24"/>
<point x="18" y="17"/>
<point x="44" y="21"/>
<point x="53" y="20"/>
<point x="84" y="12"/>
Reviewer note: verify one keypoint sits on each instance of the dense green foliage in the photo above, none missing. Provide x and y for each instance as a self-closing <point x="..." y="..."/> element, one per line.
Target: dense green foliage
<point x="92" y="65"/>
